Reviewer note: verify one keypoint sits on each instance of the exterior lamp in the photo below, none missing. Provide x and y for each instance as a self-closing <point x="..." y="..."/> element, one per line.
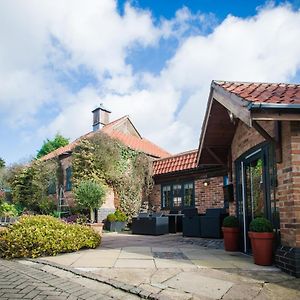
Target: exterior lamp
<point x="206" y="183"/>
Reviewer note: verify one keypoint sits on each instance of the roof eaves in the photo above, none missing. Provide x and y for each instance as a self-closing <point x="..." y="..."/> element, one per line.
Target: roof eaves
<point x="204" y="125"/>
<point x="234" y="103"/>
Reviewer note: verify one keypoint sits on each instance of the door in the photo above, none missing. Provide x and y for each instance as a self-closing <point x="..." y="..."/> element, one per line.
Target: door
<point x="253" y="191"/>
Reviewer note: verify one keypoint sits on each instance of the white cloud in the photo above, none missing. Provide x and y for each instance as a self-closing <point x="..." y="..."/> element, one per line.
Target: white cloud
<point x="62" y="36"/>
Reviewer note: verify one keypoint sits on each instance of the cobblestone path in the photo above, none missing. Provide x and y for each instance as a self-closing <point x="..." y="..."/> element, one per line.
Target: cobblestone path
<point x="21" y="280"/>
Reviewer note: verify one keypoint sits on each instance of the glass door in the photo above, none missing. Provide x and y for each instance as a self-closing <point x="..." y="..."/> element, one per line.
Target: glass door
<point x="253" y="191"/>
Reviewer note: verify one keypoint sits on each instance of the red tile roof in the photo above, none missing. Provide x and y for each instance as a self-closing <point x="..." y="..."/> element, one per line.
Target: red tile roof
<point x="133" y="142"/>
<point x="179" y="162"/>
<point x="271" y="93"/>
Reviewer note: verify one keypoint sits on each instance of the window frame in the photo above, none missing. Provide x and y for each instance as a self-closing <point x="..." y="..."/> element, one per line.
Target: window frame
<point x="182" y="194"/>
<point x="69" y="178"/>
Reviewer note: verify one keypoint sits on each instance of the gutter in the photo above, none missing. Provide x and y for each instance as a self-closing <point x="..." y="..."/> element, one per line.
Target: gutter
<point x="254" y="106"/>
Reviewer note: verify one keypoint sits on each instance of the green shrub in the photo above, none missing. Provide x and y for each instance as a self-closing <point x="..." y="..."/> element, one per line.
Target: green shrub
<point x="261" y="224"/>
<point x="117" y="216"/>
<point x="8" y="210"/>
<point x="34" y="236"/>
<point x="231" y="221"/>
<point x="120" y="216"/>
<point x="111" y="218"/>
<point x="46" y="205"/>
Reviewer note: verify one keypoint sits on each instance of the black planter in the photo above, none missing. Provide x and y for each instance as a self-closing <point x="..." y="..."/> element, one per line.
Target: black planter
<point x="114" y="226"/>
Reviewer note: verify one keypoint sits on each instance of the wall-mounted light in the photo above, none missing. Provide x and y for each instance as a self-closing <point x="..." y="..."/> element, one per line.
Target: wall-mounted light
<point x="206" y="182"/>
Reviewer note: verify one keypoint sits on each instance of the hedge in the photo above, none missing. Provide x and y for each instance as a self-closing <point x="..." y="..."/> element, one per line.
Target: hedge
<point x="34" y="236"/>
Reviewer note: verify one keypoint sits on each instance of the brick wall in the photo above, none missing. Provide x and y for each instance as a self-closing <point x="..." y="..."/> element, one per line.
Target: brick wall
<point x="288" y="187"/>
<point x="246" y="138"/>
<point x="288" y="191"/>
<point x="288" y="174"/>
<point x="210" y="196"/>
<point x="155" y="198"/>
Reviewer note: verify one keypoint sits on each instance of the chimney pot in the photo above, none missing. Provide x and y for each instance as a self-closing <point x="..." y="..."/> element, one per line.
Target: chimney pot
<point x="100" y="117"/>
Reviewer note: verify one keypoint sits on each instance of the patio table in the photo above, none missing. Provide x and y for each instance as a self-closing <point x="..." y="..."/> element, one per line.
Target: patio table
<point x="175" y="222"/>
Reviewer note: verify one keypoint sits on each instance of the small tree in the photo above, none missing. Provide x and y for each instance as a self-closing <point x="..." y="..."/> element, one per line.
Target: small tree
<point x="2" y="163"/>
<point x="90" y="194"/>
<point x="51" y="145"/>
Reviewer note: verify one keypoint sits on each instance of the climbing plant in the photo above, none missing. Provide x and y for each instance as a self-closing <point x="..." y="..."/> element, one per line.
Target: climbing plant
<point x="29" y="184"/>
<point x="104" y="159"/>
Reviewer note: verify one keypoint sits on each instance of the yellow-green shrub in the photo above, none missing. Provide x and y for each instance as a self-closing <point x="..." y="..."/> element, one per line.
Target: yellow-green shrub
<point x="34" y="236"/>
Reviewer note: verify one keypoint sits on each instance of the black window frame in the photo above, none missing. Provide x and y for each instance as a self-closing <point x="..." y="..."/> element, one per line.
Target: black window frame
<point x="69" y="178"/>
<point x="182" y="184"/>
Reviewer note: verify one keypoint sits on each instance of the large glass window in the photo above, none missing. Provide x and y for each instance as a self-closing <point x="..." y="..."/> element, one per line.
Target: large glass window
<point x="166" y="196"/>
<point x="178" y="195"/>
<point x="188" y="194"/>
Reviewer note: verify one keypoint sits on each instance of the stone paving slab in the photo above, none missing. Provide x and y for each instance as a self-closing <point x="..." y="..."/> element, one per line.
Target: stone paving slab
<point x="194" y="283"/>
<point x="135" y="263"/>
<point x="172" y="267"/>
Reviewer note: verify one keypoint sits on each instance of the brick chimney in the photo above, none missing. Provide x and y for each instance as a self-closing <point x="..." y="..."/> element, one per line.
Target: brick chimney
<point x="100" y="117"/>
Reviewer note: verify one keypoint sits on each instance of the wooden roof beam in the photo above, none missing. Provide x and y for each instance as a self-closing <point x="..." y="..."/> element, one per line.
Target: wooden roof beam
<point x="215" y="156"/>
<point x="235" y="104"/>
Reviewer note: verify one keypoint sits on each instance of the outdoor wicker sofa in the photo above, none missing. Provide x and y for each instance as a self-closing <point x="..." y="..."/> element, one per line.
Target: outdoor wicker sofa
<point x="154" y="224"/>
<point x="211" y="223"/>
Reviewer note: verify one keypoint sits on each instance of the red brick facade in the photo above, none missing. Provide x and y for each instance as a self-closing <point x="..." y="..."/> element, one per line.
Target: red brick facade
<point x="288" y="192"/>
<point x="210" y="196"/>
<point x="288" y="174"/>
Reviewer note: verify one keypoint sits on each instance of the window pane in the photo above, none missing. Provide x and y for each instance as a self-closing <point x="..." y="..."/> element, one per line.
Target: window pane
<point x="166" y="199"/>
<point x="68" y="179"/>
<point x="188" y="194"/>
<point x="177" y="198"/>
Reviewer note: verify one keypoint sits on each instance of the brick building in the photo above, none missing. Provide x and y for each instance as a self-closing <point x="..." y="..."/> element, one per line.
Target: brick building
<point x="253" y="130"/>
<point x="180" y="183"/>
<point x="122" y="130"/>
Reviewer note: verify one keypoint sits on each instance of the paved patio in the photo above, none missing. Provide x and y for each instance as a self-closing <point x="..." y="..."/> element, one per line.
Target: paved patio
<point x="173" y="267"/>
<point x="27" y="280"/>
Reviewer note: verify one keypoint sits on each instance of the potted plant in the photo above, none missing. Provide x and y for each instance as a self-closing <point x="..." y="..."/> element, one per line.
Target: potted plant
<point x="116" y="221"/>
<point x="91" y="194"/>
<point x="261" y="236"/>
<point x="231" y="233"/>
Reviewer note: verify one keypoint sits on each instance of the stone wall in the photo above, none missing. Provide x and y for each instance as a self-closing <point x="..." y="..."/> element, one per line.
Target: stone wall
<point x="210" y="196"/>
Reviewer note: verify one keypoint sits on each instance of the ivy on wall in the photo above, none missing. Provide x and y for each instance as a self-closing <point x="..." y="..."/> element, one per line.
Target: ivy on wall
<point x="106" y="160"/>
<point x="29" y="185"/>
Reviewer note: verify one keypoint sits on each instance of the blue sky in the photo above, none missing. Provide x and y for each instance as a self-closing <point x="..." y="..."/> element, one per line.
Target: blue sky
<point x="150" y="59"/>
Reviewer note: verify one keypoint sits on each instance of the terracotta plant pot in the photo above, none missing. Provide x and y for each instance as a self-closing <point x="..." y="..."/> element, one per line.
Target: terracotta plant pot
<point x="231" y="238"/>
<point x="262" y="247"/>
